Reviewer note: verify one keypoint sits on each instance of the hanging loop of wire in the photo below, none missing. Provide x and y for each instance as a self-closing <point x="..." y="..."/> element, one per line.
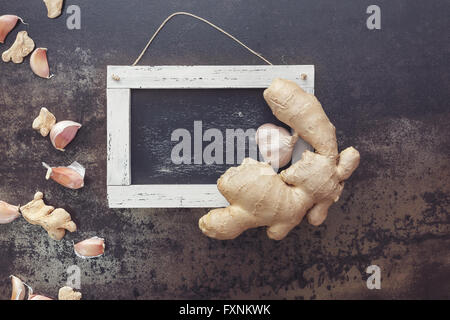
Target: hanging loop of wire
<point x="205" y="21"/>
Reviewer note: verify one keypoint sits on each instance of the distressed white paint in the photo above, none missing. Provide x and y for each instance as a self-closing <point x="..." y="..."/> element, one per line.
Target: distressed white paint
<point x="166" y="196"/>
<point x="204" y="77"/>
<point x="118" y="131"/>
<point x="121" y="193"/>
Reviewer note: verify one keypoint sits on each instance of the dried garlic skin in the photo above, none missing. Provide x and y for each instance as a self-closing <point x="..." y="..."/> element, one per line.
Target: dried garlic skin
<point x="44" y="122"/>
<point x="22" y="47"/>
<point x="54" y="8"/>
<point x="67" y="293"/>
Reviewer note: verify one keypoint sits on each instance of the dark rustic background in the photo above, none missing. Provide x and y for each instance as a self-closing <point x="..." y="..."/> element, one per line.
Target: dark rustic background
<point x="386" y="91"/>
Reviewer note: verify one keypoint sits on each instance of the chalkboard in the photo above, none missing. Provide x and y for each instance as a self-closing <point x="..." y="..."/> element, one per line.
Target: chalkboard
<point x="157" y="114"/>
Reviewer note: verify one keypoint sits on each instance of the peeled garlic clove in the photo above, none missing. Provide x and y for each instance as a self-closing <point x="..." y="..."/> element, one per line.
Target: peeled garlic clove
<point x="39" y="63"/>
<point x="7" y="23"/>
<point x="18" y="289"/>
<point x="54" y="8"/>
<point x="8" y="213"/>
<point x="275" y="144"/>
<point x="38" y="297"/>
<point x="63" y="133"/>
<point x="70" y="177"/>
<point x="90" y="248"/>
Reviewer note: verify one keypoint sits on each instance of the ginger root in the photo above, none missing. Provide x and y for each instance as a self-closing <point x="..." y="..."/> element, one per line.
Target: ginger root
<point x="67" y="293"/>
<point x="54" y="221"/>
<point x="260" y="197"/>
<point x="44" y="122"/>
<point x="54" y="8"/>
<point x="22" y="47"/>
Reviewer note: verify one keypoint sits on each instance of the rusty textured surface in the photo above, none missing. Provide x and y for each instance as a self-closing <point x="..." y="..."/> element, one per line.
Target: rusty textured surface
<point x="386" y="91"/>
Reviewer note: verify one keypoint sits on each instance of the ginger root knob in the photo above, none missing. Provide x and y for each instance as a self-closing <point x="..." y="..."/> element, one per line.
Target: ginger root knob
<point x="54" y="221"/>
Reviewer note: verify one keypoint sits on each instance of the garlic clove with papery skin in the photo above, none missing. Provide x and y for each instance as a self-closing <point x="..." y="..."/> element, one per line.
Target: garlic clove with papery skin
<point x="39" y="63"/>
<point x="275" y="144"/>
<point x="38" y="297"/>
<point x="90" y="248"/>
<point x="7" y="23"/>
<point x="63" y="133"/>
<point x="8" y="212"/>
<point x="71" y="177"/>
<point x="18" y="289"/>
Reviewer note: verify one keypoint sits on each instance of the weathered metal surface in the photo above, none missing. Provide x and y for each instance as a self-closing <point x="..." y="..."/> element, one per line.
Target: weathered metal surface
<point x="386" y="92"/>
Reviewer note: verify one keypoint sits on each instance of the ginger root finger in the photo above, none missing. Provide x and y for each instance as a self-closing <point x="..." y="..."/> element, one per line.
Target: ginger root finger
<point x="303" y="113"/>
<point x="22" y="47"/>
<point x="260" y="197"/>
<point x="54" y="8"/>
<point x="44" y="122"/>
<point x="67" y="293"/>
<point x="54" y="221"/>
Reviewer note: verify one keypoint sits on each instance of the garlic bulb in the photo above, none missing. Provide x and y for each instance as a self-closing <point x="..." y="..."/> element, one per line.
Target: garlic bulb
<point x="7" y="23"/>
<point x="63" y="133"/>
<point x="275" y="144"/>
<point x="70" y="177"/>
<point x="90" y="248"/>
<point x="39" y="63"/>
<point x="8" y="213"/>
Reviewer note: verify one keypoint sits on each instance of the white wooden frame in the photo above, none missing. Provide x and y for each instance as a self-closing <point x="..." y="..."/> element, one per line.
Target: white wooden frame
<point x="121" y="79"/>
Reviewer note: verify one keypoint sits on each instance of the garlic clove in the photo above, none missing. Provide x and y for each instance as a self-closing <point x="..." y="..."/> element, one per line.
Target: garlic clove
<point x="71" y="177"/>
<point x="90" y="248"/>
<point x="54" y="8"/>
<point x="38" y="297"/>
<point x="275" y="144"/>
<point x="7" y="23"/>
<point x="39" y="63"/>
<point x="18" y="289"/>
<point x="63" y="133"/>
<point x="8" y="212"/>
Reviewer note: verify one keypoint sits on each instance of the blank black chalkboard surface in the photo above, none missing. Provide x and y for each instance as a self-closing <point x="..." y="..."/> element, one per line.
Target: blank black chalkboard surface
<point x="157" y="114"/>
